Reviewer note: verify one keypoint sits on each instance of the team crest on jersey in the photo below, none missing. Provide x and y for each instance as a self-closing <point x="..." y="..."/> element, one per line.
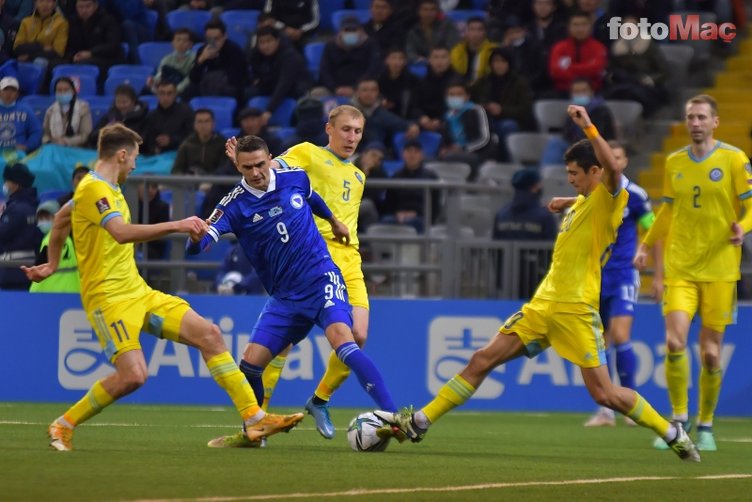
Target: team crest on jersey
<point x="716" y="174"/>
<point x="103" y="205"/>
<point x="275" y="211"/>
<point x="215" y="216"/>
<point x="296" y="201"/>
<point x="359" y="177"/>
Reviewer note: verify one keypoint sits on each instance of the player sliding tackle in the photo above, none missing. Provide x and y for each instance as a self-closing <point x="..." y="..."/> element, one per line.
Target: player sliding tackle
<point x="271" y="213"/>
<point x="563" y="313"/>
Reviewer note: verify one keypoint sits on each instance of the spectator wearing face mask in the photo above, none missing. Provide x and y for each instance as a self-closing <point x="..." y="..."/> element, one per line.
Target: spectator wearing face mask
<point x="353" y="55"/>
<point x="68" y="120"/>
<point x="65" y="279"/>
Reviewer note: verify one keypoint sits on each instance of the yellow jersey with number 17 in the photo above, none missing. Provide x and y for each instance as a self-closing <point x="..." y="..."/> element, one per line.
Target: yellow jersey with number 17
<point x="107" y="269"/>
<point x="582" y="247"/>
<point x="704" y="195"/>
<point x="338" y="181"/>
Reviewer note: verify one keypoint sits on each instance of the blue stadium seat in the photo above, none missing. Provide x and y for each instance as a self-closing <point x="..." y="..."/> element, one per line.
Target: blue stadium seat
<point x="216" y="253"/>
<point x="392" y="166"/>
<point x="126" y="50"/>
<point x="84" y="82"/>
<point x="222" y="106"/>
<point x="136" y="80"/>
<point x="363" y="16"/>
<point x="241" y="24"/>
<point x="98" y="106"/>
<point x="462" y="15"/>
<point x="75" y="69"/>
<point x="52" y="195"/>
<point x="431" y="142"/>
<point x="38" y="104"/>
<point x="282" y="116"/>
<point x="152" y="17"/>
<point x="150" y="100"/>
<point x="129" y="70"/>
<point x="194" y="20"/>
<point x="229" y="132"/>
<point x="29" y="78"/>
<point x="419" y="68"/>
<point x="326" y="9"/>
<point x="151" y="53"/>
<point x="362" y="4"/>
<point x="285" y="133"/>
<point x="313" y="52"/>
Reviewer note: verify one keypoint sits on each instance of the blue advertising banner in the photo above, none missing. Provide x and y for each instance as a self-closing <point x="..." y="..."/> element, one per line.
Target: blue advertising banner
<point x="50" y="353"/>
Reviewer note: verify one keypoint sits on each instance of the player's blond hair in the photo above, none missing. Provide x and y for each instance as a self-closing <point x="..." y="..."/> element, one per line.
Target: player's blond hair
<point x="115" y="137"/>
<point x="345" y="110"/>
<point x="705" y="99"/>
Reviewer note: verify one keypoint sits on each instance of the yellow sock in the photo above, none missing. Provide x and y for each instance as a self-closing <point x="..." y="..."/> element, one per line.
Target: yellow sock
<point x="710" y="388"/>
<point x="452" y="394"/>
<point x="270" y="377"/>
<point x="226" y="373"/>
<point x="335" y="375"/>
<point x="91" y="404"/>
<point x="646" y="416"/>
<point x="677" y="380"/>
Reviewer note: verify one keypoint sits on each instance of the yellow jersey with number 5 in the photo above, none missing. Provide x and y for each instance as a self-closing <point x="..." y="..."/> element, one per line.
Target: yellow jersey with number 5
<point x="107" y="269"/>
<point x="582" y="247"/>
<point x="338" y="181"/>
<point x="705" y="197"/>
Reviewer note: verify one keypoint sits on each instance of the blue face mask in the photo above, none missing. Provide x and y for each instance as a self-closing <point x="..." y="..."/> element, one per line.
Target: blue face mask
<point x="581" y="99"/>
<point x="455" y="102"/>
<point x="45" y="226"/>
<point x="64" y="98"/>
<point x="6" y="190"/>
<point x="350" y="39"/>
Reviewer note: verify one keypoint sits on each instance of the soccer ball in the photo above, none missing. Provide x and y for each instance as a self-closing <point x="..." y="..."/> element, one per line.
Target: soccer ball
<point x="361" y="433"/>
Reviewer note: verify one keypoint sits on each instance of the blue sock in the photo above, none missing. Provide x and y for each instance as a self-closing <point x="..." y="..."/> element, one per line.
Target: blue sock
<point x="625" y="364"/>
<point x="368" y="374"/>
<point x="253" y="375"/>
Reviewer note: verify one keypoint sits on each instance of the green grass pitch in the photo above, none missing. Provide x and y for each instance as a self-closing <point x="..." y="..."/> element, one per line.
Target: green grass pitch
<point x="132" y="452"/>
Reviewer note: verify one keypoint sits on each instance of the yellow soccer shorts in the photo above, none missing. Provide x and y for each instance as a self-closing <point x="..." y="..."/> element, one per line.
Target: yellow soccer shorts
<point x="349" y="262"/>
<point x="119" y="325"/>
<point x="574" y="330"/>
<point x="716" y="301"/>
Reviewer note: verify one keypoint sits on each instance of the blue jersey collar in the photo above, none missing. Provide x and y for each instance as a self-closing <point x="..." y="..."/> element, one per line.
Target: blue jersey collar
<point x="692" y="156"/>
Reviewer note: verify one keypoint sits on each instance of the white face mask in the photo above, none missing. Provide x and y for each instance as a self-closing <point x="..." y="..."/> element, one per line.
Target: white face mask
<point x="455" y="102"/>
<point x="6" y="190"/>
<point x="350" y="39"/>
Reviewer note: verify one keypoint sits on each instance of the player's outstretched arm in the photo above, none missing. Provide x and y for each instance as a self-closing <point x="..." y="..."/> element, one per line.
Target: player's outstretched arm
<point x="61" y="227"/>
<point x="611" y="173"/>
<point x="125" y="233"/>
<point x="559" y="204"/>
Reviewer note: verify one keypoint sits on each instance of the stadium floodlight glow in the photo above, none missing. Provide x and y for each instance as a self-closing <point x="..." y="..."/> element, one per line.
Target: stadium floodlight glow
<point x="678" y="28"/>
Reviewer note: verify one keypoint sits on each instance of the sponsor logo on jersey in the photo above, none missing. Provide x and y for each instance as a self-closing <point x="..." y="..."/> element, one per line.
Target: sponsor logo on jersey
<point x="275" y="211"/>
<point x="215" y="216"/>
<point x="716" y="174"/>
<point x="102" y="205"/>
<point x="328" y="304"/>
<point x="257" y="217"/>
<point x="296" y="201"/>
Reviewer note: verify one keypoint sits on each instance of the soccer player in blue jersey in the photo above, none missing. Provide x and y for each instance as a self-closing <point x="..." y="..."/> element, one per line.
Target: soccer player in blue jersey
<point x="620" y="282"/>
<point x="271" y="213"/>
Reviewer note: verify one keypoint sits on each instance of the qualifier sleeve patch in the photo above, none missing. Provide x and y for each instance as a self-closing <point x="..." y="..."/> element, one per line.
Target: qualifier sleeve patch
<point x="102" y="205"/>
<point x="215" y="216"/>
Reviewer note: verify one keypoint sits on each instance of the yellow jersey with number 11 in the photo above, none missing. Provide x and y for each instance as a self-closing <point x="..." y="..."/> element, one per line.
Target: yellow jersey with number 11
<point x="338" y="181"/>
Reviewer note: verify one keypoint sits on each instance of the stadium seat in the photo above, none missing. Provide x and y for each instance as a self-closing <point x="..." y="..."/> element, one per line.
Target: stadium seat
<point x="152" y="17"/>
<point x="477" y="212"/>
<point x="75" y="69"/>
<point x="194" y="20"/>
<point x="628" y="117"/>
<point x="419" y="68"/>
<point x="431" y="141"/>
<point x="313" y="52"/>
<point x="361" y="4"/>
<point x="326" y="9"/>
<point x="557" y="187"/>
<point x="386" y="252"/>
<point x="392" y="166"/>
<point x="29" y="78"/>
<point x="137" y="81"/>
<point x="551" y="114"/>
<point x="449" y="171"/>
<point x="229" y="132"/>
<point x="86" y="84"/>
<point x="98" y="106"/>
<point x="282" y="116"/>
<point x="151" y="53"/>
<point x="498" y="173"/>
<point x="150" y="100"/>
<point x="285" y="134"/>
<point x="241" y="25"/>
<point x="52" y="195"/>
<point x="129" y="69"/>
<point x="678" y="58"/>
<point x="222" y="106"/>
<point x="462" y="15"/>
<point x="527" y="147"/>
<point x="38" y="104"/>
<point x="363" y="16"/>
<point x="480" y="4"/>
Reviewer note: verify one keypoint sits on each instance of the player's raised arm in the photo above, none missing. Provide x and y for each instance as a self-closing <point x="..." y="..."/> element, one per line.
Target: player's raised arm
<point x="611" y="172"/>
<point x="61" y="228"/>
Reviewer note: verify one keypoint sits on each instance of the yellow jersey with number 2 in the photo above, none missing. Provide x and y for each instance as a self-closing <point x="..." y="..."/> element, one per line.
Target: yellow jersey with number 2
<point x="107" y="269"/>
<point x="705" y="197"/>
<point x="338" y="181"/>
<point x="582" y="247"/>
